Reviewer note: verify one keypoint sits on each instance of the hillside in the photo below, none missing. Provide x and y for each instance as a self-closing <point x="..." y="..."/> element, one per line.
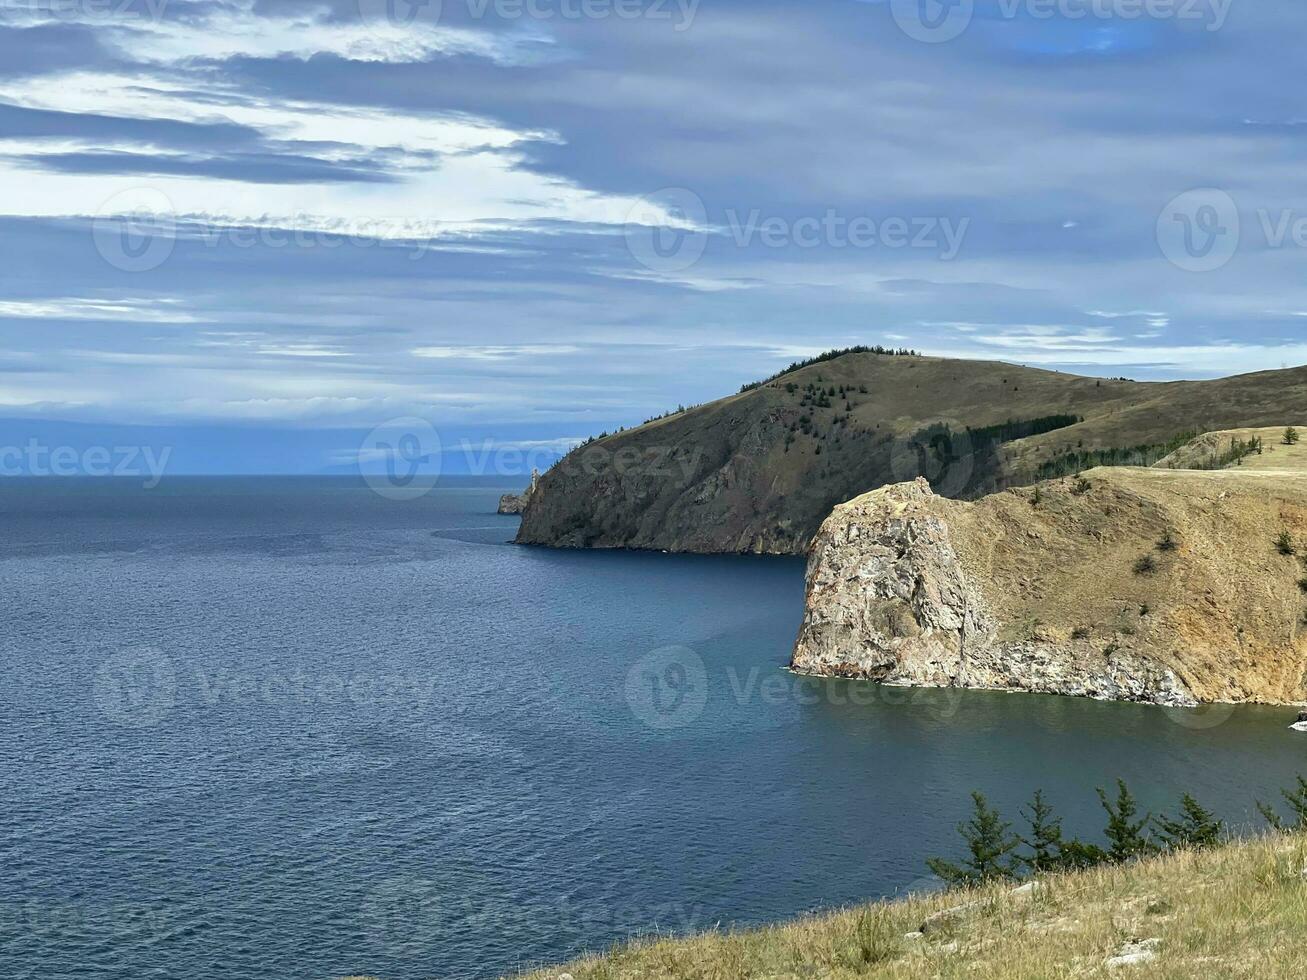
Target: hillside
<point x="1237" y="911"/>
<point x="1158" y="584"/>
<point x="759" y="471"/>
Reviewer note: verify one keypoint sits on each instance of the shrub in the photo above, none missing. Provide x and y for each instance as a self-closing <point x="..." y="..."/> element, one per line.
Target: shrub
<point x="1297" y="800"/>
<point x="1168" y="542"/>
<point x="1146" y="565"/>
<point x="1195" y="827"/>
<point x="1284" y="544"/>
<point x="1045" y="840"/>
<point x="1125" y="835"/>
<point x="1080" y="633"/>
<point x="989" y="847"/>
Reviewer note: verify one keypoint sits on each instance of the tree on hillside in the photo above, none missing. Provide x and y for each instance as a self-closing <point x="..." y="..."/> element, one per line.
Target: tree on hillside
<point x="989" y="847"/>
<point x="1195" y="826"/>
<point x="1045" y="841"/>
<point x="1125" y="835"/>
<point x="1290" y="436"/>
<point x="1297" y="800"/>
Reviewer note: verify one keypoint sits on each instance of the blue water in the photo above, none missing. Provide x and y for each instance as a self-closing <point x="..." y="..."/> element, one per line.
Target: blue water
<point x="285" y="728"/>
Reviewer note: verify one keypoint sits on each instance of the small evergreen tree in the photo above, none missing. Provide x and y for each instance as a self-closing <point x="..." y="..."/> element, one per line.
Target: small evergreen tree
<point x="1297" y="800"/>
<point x="1284" y="544"/>
<point x="1125" y="835"/>
<point x="1045" y="840"/>
<point x="989" y="845"/>
<point x="1195" y="826"/>
<point x="1290" y="436"/>
<point x="1075" y="855"/>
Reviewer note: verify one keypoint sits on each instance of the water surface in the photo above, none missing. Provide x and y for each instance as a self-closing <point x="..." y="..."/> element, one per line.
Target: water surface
<point x="289" y="728"/>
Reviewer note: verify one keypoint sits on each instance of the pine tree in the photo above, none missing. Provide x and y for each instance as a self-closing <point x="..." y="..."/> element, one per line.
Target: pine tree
<point x="990" y="846"/>
<point x="1297" y="800"/>
<point x="1195" y="827"/>
<point x="1075" y="855"/>
<point x="1045" y="840"/>
<point x="1290" y="436"/>
<point x="1124" y="834"/>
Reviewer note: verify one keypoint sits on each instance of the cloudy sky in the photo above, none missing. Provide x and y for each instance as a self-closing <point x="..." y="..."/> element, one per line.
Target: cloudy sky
<point x="260" y="229"/>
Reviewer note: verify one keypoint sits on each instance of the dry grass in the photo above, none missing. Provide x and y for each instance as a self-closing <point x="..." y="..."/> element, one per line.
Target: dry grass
<point x="1224" y="609"/>
<point x="1237" y="911"/>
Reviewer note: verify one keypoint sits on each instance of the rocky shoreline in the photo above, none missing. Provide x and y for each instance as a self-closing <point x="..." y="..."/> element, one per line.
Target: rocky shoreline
<point x="907" y="588"/>
<point x="516" y="503"/>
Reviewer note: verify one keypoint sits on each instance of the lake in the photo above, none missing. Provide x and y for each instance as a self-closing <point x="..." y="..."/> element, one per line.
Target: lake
<point x="292" y="728"/>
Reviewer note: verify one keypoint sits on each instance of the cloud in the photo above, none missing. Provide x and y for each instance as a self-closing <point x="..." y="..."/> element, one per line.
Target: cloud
<point x="165" y="33"/>
<point x="501" y="158"/>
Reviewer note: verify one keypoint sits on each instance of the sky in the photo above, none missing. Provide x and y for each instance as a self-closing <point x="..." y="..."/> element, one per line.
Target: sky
<point x="259" y="233"/>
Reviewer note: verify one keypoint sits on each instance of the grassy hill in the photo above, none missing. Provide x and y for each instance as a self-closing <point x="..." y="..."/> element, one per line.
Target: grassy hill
<point x="1237" y="911"/>
<point x="760" y="470"/>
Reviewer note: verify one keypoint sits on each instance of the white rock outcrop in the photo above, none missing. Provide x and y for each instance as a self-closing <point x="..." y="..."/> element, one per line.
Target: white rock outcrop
<point x="890" y="600"/>
<point x="515" y="503"/>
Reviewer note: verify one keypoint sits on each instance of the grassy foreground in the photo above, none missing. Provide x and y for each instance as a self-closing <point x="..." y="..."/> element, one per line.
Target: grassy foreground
<point x="1235" y="911"/>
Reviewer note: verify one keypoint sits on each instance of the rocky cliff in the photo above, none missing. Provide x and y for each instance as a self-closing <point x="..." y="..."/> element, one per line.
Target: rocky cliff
<point x="515" y="503"/>
<point x="759" y="471"/>
<point x="1166" y="586"/>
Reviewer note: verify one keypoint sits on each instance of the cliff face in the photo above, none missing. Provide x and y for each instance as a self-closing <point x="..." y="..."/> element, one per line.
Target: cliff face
<point x="759" y="471"/>
<point x="1135" y="584"/>
<point x="515" y="503"/>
